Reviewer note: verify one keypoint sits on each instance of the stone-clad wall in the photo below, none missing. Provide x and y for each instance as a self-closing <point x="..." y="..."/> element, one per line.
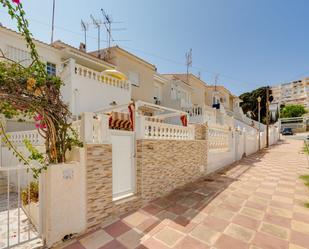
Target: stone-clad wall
<point x="168" y="164"/>
<point x="161" y="166"/>
<point x="100" y="206"/>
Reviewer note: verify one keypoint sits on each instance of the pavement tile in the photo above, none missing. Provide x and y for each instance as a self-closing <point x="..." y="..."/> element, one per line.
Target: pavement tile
<point x="152" y="244"/>
<point x="252" y="213"/>
<point x="228" y="242"/>
<point x="301" y="217"/>
<point x="216" y="223"/>
<point x="205" y="234"/>
<point x="135" y="219"/>
<point x="96" y="240"/>
<point x="278" y="220"/>
<point x="131" y="239"/>
<point x="300" y="239"/>
<point x="114" y="244"/>
<point x="293" y="246"/>
<point x="246" y="221"/>
<point x="116" y="229"/>
<point x="277" y="231"/>
<point x="269" y="242"/>
<point x="239" y="232"/>
<point x="152" y="209"/>
<point x="169" y="236"/>
<point x="223" y="213"/>
<point x="300" y="227"/>
<point x="280" y="212"/>
<point x="177" y="209"/>
<point x="190" y="243"/>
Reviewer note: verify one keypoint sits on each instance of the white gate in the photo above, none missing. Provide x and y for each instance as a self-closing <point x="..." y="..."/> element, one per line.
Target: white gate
<point x="123" y="164"/>
<point x="20" y="214"/>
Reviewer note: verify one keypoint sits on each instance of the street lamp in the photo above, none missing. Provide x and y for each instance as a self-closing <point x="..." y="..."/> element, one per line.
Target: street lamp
<point x="259" y="99"/>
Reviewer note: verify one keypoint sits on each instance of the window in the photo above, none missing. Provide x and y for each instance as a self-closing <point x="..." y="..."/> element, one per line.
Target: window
<point x="134" y="78"/>
<point x="50" y="68"/>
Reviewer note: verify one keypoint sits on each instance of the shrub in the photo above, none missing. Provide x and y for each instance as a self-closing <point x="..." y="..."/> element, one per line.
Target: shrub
<point x="30" y="195"/>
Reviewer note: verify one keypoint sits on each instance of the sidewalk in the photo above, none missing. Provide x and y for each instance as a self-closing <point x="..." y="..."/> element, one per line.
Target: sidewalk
<point x="258" y="203"/>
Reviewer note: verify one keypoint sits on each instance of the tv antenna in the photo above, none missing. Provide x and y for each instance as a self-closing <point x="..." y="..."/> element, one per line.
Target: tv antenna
<point x="216" y="80"/>
<point x="84" y="29"/>
<point x="188" y="62"/>
<point x="97" y="23"/>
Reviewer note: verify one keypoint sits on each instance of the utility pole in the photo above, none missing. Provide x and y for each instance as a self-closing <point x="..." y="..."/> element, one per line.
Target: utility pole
<point x="188" y="62"/>
<point x="259" y="115"/>
<point x="53" y="22"/>
<point x="267" y="116"/>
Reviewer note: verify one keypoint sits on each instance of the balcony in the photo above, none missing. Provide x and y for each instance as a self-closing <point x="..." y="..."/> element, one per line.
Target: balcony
<point x="88" y="90"/>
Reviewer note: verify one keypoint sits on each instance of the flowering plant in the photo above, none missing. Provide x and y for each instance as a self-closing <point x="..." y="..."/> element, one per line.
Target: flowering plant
<point x="32" y="93"/>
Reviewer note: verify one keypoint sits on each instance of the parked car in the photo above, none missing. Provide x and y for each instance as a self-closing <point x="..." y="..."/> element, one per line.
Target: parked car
<point x="287" y="131"/>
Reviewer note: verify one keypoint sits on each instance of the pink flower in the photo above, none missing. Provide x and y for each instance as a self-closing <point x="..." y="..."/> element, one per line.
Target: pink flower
<point x="38" y="117"/>
<point x="16" y="1"/>
<point x="37" y="126"/>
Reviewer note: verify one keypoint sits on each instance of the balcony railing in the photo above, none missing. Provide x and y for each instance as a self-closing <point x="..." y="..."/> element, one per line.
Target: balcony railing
<point x="99" y="76"/>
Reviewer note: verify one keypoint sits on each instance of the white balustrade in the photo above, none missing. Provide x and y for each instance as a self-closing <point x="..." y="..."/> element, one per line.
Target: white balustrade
<point x="158" y="130"/>
<point x="101" y="77"/>
<point x="17" y="138"/>
<point x="218" y="137"/>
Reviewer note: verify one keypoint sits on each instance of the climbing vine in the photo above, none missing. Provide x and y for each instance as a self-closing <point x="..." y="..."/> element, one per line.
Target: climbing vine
<point x="30" y="92"/>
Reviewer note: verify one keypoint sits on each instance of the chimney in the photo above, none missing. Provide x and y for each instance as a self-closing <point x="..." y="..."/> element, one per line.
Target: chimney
<point x="82" y="47"/>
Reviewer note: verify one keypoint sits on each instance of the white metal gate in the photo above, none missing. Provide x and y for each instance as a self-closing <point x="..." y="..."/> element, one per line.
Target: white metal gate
<point x="123" y="164"/>
<point x="20" y="216"/>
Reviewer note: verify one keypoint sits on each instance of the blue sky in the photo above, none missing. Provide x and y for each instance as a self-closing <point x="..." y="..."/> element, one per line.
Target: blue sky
<point x="249" y="43"/>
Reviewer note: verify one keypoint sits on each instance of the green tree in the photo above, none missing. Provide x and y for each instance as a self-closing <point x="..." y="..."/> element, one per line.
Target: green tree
<point x="250" y="103"/>
<point x="292" y="111"/>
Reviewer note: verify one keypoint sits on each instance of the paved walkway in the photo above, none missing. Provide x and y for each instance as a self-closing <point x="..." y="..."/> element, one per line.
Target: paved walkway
<point x="256" y="204"/>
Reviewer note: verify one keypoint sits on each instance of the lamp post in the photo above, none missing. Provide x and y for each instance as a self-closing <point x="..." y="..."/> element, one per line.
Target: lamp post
<point x="259" y="117"/>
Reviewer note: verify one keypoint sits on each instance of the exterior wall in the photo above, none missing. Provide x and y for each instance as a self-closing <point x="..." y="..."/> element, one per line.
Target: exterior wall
<point x="126" y="63"/>
<point x="161" y="166"/>
<point x="87" y="94"/>
<point x="169" y="164"/>
<point x="100" y="205"/>
<point x="64" y="199"/>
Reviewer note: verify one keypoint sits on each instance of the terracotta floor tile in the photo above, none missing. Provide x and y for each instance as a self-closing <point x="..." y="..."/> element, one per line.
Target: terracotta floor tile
<point x="177" y="209"/>
<point x="114" y="244"/>
<point x="301" y="217"/>
<point x="169" y="236"/>
<point x="135" y="219"/>
<point x="190" y="243"/>
<point x="246" y="221"/>
<point x="278" y="220"/>
<point x="269" y="242"/>
<point x="131" y="239"/>
<point x="152" y="244"/>
<point x="300" y="226"/>
<point x="223" y="213"/>
<point x="205" y="234"/>
<point x="239" y="232"/>
<point x="152" y="209"/>
<point x="75" y="245"/>
<point x="148" y="225"/>
<point x="300" y="239"/>
<point x="252" y="213"/>
<point x="216" y="223"/>
<point x="96" y="240"/>
<point x="117" y="228"/>
<point x="227" y="242"/>
<point x="274" y="230"/>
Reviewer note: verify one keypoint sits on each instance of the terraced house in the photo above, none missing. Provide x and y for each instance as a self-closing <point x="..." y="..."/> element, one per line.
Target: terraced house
<point x="144" y="134"/>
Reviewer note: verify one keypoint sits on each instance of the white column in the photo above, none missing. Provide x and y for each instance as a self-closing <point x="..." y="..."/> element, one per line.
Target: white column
<point x="86" y="128"/>
<point x="104" y="127"/>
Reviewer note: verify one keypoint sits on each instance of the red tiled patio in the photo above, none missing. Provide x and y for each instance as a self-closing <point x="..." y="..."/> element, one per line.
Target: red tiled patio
<point x="257" y="203"/>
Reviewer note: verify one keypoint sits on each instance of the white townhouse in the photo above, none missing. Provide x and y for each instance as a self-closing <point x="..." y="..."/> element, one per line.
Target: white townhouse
<point x="90" y="84"/>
